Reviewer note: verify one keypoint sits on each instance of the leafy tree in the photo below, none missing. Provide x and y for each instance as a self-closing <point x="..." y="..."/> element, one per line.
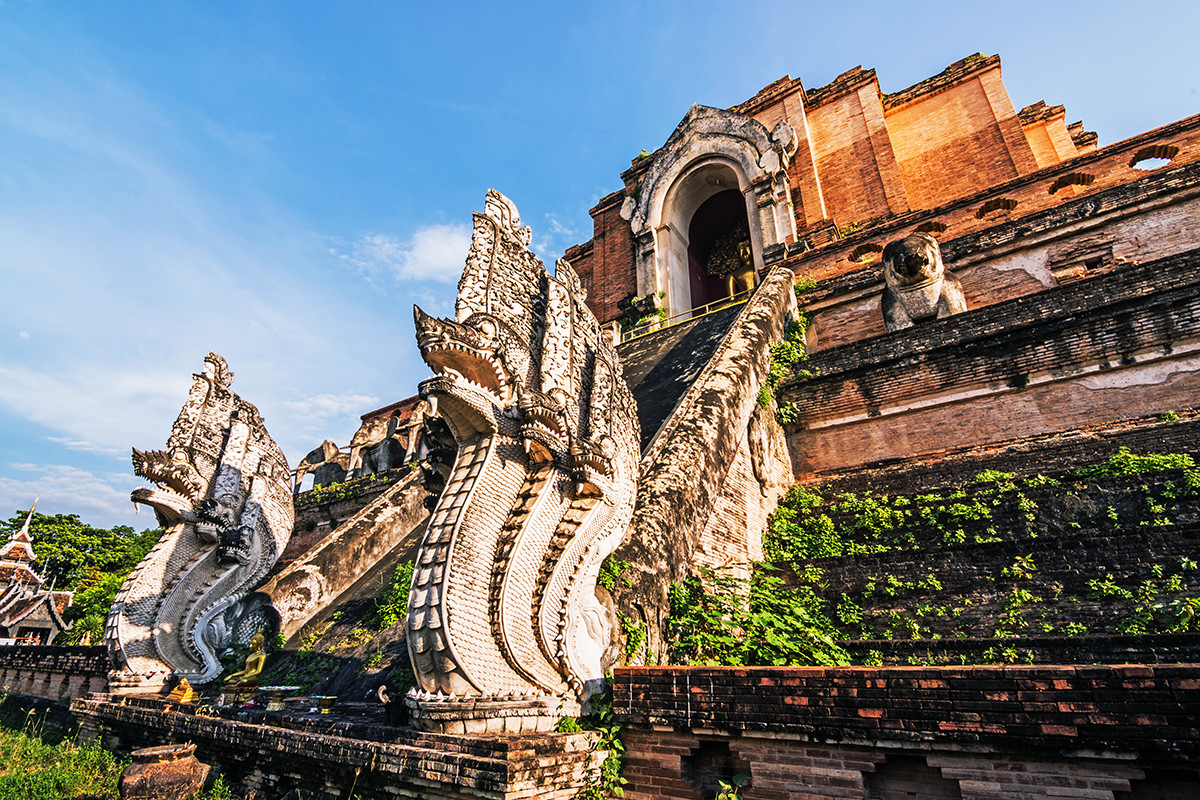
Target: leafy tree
<point x="69" y="550"/>
<point x="92" y="562"/>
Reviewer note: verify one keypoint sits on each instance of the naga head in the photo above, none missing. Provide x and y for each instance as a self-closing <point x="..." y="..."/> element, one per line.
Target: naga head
<point x="472" y="380"/>
<point x="180" y="488"/>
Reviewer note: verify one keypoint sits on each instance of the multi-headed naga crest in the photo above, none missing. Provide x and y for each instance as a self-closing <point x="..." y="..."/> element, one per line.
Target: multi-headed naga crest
<point x="224" y="496"/>
<point x="505" y="631"/>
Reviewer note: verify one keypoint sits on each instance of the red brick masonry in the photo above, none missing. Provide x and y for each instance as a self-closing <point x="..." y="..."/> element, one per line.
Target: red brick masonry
<point x="1081" y="731"/>
<point x="1153" y="710"/>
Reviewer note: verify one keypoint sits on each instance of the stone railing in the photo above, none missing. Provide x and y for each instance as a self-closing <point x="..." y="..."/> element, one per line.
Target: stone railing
<point x="53" y="672"/>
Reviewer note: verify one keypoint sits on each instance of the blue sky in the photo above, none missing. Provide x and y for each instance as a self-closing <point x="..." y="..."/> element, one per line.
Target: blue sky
<point x="280" y="182"/>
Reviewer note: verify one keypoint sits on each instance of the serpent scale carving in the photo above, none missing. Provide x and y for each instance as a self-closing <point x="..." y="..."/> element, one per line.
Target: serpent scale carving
<point x="505" y="631"/>
<point x="223" y="493"/>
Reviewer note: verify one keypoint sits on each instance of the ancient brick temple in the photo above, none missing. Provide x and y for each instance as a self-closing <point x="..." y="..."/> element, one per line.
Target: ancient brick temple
<point x="983" y="291"/>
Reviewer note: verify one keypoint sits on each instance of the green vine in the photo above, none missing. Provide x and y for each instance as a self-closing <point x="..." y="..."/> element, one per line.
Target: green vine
<point x="392" y="603"/>
<point x="719" y="617"/>
<point x="613" y="570"/>
<point x="606" y="780"/>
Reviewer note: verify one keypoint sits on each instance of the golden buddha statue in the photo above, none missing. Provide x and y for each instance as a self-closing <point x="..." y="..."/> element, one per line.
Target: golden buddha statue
<point x="256" y="659"/>
<point x="183" y="693"/>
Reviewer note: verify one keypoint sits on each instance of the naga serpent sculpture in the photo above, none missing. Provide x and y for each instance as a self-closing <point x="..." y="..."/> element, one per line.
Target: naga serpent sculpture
<point x="224" y="497"/>
<point x="504" y="628"/>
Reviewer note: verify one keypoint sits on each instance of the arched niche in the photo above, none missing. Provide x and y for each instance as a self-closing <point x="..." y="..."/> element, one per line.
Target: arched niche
<point x="711" y="151"/>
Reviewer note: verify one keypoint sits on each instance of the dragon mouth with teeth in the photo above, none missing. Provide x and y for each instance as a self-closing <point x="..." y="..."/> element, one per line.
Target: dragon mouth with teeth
<point x="503" y="619"/>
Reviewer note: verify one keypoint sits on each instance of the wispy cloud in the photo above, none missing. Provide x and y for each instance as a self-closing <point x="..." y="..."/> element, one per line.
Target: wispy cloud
<point x="432" y="253"/>
<point x="102" y="410"/>
<point x="68" y="490"/>
<point x="317" y="410"/>
<point x="83" y="446"/>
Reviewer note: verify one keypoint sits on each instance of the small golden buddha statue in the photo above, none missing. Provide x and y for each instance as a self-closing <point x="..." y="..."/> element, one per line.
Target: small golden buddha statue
<point x="742" y="278"/>
<point x="183" y="693"/>
<point x="255" y="661"/>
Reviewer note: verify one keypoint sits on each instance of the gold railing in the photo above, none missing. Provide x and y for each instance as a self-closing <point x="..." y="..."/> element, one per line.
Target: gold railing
<point x="656" y="324"/>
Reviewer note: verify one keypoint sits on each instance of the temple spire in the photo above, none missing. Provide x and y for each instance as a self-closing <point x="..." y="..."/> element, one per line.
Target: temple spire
<point x="23" y="534"/>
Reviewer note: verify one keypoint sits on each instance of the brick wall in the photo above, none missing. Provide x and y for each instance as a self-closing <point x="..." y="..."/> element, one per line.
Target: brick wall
<point x="1109" y="168"/>
<point x="605" y="263"/>
<point x="1050" y="453"/>
<point x="1138" y="221"/>
<point x="53" y="672"/>
<point x="1162" y="648"/>
<point x="992" y="732"/>
<point x="936" y="137"/>
<point x="971" y="579"/>
<point x="853" y="153"/>
<point x="1115" y="346"/>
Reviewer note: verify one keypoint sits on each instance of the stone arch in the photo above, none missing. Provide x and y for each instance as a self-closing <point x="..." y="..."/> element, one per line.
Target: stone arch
<point x="710" y="151"/>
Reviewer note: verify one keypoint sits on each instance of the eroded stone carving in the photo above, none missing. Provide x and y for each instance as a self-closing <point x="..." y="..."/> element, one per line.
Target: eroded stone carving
<point x="224" y="495"/>
<point x="505" y="631"/>
<point x="918" y="286"/>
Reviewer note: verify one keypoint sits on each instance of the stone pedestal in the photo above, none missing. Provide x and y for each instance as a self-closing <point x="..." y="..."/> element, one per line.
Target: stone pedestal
<point x="476" y="715"/>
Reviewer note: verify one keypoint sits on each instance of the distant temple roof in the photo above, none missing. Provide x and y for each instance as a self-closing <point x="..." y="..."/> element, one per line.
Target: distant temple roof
<point x="17" y="556"/>
<point x="21" y="593"/>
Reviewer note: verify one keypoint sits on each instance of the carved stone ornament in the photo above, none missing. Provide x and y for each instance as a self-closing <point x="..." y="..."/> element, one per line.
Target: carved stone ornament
<point x="918" y="287"/>
<point x="224" y="496"/>
<point x="505" y="630"/>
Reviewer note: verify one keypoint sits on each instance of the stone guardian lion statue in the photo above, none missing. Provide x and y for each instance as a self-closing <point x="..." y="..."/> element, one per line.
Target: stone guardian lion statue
<point x="918" y="286"/>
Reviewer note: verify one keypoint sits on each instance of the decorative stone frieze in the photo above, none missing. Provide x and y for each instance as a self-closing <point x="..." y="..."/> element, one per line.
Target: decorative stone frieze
<point x="503" y="618"/>
<point x="224" y="496"/>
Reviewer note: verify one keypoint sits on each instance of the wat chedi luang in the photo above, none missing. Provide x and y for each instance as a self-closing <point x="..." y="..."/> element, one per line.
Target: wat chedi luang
<point x="901" y="383"/>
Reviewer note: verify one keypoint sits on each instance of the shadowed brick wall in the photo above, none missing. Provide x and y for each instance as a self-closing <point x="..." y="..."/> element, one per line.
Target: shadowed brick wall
<point x="984" y="732"/>
<point x="1119" y="345"/>
<point x="274" y="755"/>
<point x="53" y="672"/>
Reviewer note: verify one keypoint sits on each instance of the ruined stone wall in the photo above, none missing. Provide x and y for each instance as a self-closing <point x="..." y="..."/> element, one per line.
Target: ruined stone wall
<point x="852" y="147"/>
<point x="968" y="579"/>
<point x="1119" y="345"/>
<point x="933" y="732"/>
<point x="686" y="468"/>
<point x="1097" y="172"/>
<point x="316" y="518"/>
<point x="53" y="672"/>
<point x="758" y="477"/>
<point x="1135" y="222"/>
<point x="275" y="754"/>
<point x="936" y="133"/>
<point x="383" y="521"/>
<point x="1048" y="453"/>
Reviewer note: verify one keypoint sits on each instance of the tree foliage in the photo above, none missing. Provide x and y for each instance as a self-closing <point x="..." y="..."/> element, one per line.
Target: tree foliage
<point x="92" y="562"/>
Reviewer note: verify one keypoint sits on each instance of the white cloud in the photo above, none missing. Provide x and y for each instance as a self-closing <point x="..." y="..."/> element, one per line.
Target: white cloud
<point x="24" y="334"/>
<point x="317" y="410"/>
<point x="83" y="446"/>
<point x="433" y="253"/>
<point x="98" y="498"/>
<point x="559" y="228"/>
<point x="101" y="408"/>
